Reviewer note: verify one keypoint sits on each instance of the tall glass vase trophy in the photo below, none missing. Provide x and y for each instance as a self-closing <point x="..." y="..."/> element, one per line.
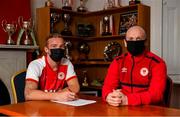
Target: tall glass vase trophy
<point x="10" y="29"/>
<point x="27" y="28"/>
<point x="82" y="7"/>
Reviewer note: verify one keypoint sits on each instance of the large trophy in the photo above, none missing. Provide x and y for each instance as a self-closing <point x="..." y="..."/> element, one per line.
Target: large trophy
<point x="27" y="28"/>
<point x="54" y="18"/>
<point x="106" y="26"/>
<point x="82" y="7"/>
<point x="67" y="4"/>
<point x="66" y="19"/>
<point x="10" y="29"/>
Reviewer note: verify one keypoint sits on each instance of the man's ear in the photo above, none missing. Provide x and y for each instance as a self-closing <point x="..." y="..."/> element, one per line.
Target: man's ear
<point x="46" y="49"/>
<point x="125" y="43"/>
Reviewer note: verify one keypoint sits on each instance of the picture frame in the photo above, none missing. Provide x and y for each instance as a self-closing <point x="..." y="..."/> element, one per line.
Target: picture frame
<point x="126" y="21"/>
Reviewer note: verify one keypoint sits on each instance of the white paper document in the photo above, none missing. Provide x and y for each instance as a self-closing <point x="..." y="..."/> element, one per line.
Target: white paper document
<point x="78" y="102"/>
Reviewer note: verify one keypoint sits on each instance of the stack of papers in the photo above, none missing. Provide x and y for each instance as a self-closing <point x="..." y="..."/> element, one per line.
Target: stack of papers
<point x="78" y="102"/>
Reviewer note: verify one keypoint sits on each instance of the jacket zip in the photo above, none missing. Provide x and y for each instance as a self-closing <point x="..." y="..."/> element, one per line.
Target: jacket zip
<point x="132" y="75"/>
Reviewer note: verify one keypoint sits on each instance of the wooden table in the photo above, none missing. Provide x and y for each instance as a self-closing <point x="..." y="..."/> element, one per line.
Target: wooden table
<point x="42" y="108"/>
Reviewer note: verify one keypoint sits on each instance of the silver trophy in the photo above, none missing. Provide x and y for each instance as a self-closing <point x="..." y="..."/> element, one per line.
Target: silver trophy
<point x="106" y="26"/>
<point x="67" y="4"/>
<point x="66" y="19"/>
<point x="27" y="27"/>
<point x="54" y="18"/>
<point x="10" y="29"/>
<point x="82" y="7"/>
<point x="68" y="45"/>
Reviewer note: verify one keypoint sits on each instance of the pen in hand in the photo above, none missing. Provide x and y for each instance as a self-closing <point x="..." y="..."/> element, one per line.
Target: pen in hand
<point x="73" y="94"/>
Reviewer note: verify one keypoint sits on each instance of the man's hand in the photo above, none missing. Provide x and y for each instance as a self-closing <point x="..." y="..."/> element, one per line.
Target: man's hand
<point x="65" y="95"/>
<point x="117" y="98"/>
<point x="123" y="97"/>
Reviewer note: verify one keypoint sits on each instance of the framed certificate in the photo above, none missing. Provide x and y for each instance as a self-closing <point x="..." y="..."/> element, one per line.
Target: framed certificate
<point x="126" y="21"/>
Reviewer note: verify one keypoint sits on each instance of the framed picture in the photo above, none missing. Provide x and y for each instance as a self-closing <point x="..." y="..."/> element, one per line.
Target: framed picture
<point x="126" y="21"/>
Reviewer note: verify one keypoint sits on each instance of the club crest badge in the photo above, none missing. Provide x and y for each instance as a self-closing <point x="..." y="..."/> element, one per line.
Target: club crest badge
<point x="124" y="69"/>
<point x="144" y="71"/>
<point x="61" y="75"/>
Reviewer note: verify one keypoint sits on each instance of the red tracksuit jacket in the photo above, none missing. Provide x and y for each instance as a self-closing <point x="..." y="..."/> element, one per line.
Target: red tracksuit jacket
<point x="141" y="78"/>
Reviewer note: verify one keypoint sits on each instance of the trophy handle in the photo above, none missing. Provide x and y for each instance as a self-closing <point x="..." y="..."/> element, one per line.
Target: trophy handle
<point x="32" y="24"/>
<point x="15" y="25"/>
<point x="20" y="21"/>
<point x="3" y="24"/>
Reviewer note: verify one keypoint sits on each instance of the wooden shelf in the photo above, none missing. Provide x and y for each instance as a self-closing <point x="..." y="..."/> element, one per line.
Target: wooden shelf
<point x="100" y="38"/>
<point x="96" y="13"/>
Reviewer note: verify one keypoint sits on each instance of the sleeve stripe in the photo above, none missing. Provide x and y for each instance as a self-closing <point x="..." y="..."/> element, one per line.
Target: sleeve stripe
<point x="30" y="79"/>
<point x="71" y="78"/>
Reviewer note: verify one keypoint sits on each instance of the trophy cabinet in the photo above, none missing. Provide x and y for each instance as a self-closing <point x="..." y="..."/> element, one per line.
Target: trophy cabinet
<point x="86" y="31"/>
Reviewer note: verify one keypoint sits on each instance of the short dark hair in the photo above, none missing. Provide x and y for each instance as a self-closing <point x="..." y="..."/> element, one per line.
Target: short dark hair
<point x="53" y="35"/>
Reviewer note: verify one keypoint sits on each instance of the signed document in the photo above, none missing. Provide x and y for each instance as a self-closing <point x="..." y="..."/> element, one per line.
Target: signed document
<point x="78" y="102"/>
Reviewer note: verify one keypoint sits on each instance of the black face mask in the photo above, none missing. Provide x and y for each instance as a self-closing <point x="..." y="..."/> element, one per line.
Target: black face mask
<point x="57" y="54"/>
<point x="135" y="47"/>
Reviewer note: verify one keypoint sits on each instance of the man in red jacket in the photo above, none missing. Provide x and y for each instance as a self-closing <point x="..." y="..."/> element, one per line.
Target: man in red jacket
<point x="137" y="77"/>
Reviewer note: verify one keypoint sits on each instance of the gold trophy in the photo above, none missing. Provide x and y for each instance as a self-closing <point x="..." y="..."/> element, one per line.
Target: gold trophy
<point x="10" y="29"/>
<point x="85" y="83"/>
<point x="27" y="28"/>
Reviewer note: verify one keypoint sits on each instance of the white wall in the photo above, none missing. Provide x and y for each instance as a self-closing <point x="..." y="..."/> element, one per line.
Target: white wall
<point x="93" y="5"/>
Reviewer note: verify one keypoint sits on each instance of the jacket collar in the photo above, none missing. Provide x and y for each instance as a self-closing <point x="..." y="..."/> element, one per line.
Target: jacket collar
<point x="137" y="58"/>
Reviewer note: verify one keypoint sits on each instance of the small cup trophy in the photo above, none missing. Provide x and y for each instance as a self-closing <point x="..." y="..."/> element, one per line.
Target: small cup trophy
<point x="27" y="27"/>
<point x="66" y="19"/>
<point x="111" y="4"/>
<point x="67" y="4"/>
<point x="54" y="18"/>
<point x="49" y="3"/>
<point x="10" y="29"/>
<point x="68" y="45"/>
<point x="106" y="26"/>
<point x="82" y="7"/>
<point x="134" y="2"/>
